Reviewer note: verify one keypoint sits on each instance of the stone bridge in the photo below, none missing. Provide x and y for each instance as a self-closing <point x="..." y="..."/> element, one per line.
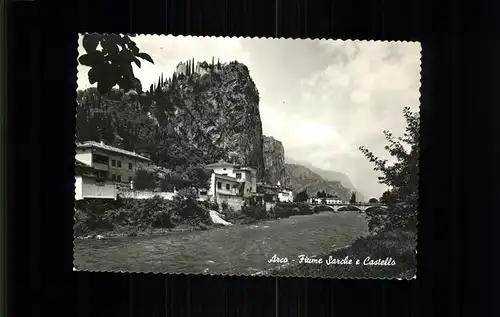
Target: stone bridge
<point x="337" y="207"/>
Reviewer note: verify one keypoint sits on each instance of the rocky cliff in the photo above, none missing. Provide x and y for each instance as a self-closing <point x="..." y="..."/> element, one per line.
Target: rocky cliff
<point x="201" y="114"/>
<point x="274" y="160"/>
<point x="299" y="178"/>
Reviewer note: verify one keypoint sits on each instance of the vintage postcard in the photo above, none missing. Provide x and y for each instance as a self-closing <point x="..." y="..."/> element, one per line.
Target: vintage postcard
<point x="247" y="156"/>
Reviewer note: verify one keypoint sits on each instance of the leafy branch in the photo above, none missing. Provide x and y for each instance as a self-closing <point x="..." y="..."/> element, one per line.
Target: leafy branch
<point x="112" y="65"/>
<point x="401" y="177"/>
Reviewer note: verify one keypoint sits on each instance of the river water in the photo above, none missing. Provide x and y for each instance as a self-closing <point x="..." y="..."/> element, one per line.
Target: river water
<point x="229" y="250"/>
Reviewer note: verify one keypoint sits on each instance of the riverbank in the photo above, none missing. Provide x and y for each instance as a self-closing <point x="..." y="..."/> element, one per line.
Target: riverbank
<point x="99" y="219"/>
<point x="236" y="249"/>
<point x="383" y="255"/>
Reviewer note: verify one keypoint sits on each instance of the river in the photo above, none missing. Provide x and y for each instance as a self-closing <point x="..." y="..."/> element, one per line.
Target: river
<point x="231" y="250"/>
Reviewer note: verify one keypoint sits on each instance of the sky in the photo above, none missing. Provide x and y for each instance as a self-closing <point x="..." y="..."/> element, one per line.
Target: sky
<point x="321" y="98"/>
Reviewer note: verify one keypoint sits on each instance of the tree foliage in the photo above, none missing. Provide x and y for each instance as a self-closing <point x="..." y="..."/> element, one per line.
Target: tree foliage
<point x="373" y="201"/>
<point x="353" y="198"/>
<point x="112" y="65"/>
<point x="401" y="177"/>
<point x="301" y="196"/>
<point x="321" y="194"/>
<point x="145" y="180"/>
<point x="199" y="177"/>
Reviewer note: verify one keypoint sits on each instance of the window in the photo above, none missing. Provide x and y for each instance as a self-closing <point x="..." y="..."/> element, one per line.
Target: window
<point x="129" y="166"/>
<point x="225" y="174"/>
<point x="228" y="187"/>
<point x="238" y="175"/>
<point x="119" y="164"/>
<point x="100" y="159"/>
<point x="113" y="162"/>
<point x="130" y="179"/>
<point x="203" y="193"/>
<point x="219" y="185"/>
<point x="119" y="177"/>
<point x="224" y="168"/>
<point x="113" y="177"/>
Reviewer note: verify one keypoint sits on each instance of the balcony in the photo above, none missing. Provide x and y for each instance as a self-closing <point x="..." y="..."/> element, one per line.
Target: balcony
<point x="223" y="191"/>
<point x="100" y="166"/>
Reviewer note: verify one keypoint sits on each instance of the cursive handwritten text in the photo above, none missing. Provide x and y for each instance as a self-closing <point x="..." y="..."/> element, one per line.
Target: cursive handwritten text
<point x="307" y="260"/>
<point x="379" y="262"/>
<point x="344" y="261"/>
<point x="276" y="259"/>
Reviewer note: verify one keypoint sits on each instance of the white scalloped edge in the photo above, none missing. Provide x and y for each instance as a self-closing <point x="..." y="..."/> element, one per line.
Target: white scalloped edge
<point x="258" y="274"/>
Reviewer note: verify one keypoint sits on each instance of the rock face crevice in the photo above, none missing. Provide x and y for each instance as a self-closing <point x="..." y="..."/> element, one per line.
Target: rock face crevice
<point x="274" y="160"/>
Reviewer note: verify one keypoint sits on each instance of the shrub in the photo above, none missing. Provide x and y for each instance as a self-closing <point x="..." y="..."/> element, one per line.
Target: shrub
<point x="103" y="215"/>
<point x="81" y="226"/>
<point x="255" y="211"/>
<point x="318" y="209"/>
<point x="305" y="209"/>
<point x="224" y="206"/>
<point x="285" y="210"/>
<point x="145" y="180"/>
<point x="212" y="205"/>
<point x="186" y="207"/>
<point x="377" y="219"/>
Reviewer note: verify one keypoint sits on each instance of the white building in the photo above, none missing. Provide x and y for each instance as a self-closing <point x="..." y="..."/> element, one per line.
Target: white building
<point x="284" y="194"/>
<point x="90" y="183"/>
<point x="327" y="200"/>
<point x="229" y="179"/>
<point x="113" y="163"/>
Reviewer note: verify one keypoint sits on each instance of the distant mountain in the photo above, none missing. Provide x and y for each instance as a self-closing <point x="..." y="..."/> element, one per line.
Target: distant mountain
<point x="299" y="177"/>
<point x="328" y="175"/>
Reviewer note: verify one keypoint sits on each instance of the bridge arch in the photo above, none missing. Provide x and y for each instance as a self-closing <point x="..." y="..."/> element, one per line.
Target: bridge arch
<point x="349" y="208"/>
<point x="374" y="207"/>
<point x="322" y="207"/>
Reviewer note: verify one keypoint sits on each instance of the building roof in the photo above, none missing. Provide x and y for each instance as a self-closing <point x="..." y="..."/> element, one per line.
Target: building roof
<point x="220" y="163"/>
<point x="227" y="178"/>
<point x="245" y="168"/>
<point x="79" y="163"/>
<point x="109" y="148"/>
